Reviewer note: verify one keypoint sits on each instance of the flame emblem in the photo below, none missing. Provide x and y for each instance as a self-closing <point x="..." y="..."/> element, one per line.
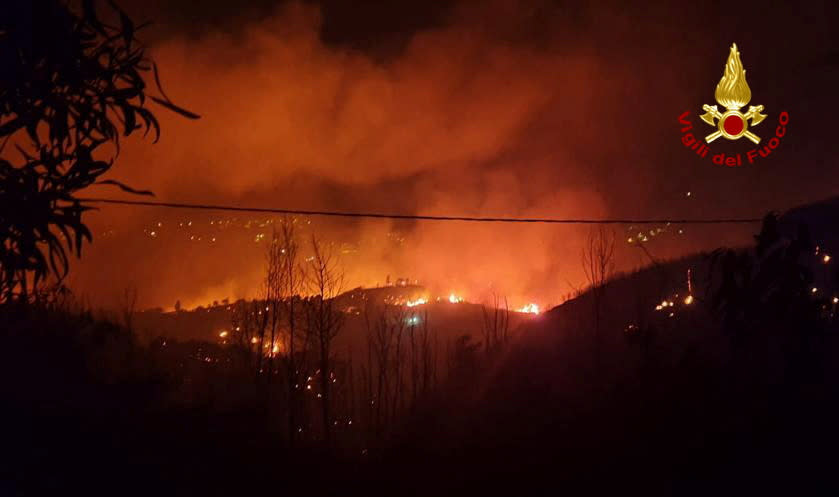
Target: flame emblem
<point x="733" y="93"/>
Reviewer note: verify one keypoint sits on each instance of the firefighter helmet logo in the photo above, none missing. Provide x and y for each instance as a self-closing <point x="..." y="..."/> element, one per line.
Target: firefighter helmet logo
<point x="733" y="93"/>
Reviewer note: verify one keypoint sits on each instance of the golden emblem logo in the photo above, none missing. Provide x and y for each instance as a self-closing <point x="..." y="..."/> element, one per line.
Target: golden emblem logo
<point x="732" y="93"/>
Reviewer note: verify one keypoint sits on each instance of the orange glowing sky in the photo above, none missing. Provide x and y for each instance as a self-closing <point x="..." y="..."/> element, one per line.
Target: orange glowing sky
<point x="508" y="109"/>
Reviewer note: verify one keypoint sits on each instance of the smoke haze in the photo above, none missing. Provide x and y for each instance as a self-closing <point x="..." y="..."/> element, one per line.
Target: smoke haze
<point x="547" y="113"/>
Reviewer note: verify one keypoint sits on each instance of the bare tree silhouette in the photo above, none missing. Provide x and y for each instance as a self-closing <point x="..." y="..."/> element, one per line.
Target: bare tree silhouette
<point x="496" y="324"/>
<point x="598" y="265"/>
<point x="325" y="281"/>
<point x="284" y="281"/>
<point x="129" y="307"/>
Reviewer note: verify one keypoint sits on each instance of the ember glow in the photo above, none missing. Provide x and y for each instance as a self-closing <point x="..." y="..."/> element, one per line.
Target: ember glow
<point x="414" y="303"/>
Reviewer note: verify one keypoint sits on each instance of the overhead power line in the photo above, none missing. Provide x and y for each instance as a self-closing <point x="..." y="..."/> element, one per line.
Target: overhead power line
<point x="418" y="217"/>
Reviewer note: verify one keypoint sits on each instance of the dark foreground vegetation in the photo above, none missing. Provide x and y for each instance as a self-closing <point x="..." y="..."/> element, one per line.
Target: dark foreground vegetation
<point x="733" y="394"/>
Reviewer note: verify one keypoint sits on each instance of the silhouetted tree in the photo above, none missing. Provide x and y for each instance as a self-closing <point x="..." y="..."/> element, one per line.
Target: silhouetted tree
<point x="598" y="266"/>
<point x="325" y="320"/>
<point x="463" y="363"/>
<point x="386" y="325"/>
<point x="70" y="83"/>
<point x="129" y="307"/>
<point x="285" y="278"/>
<point x="243" y="329"/>
<point x="273" y="284"/>
<point x="768" y="294"/>
<point x="773" y="282"/>
<point x="496" y="324"/>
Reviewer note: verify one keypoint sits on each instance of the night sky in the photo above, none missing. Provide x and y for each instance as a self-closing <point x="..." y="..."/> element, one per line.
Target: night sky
<point x="551" y="109"/>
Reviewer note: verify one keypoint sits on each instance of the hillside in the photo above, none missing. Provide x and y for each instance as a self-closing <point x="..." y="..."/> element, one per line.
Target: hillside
<point x="448" y="320"/>
<point x="675" y="402"/>
<point x="692" y="390"/>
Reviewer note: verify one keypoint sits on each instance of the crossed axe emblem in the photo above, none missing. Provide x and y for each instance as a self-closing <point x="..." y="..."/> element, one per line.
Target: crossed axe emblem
<point x="732" y="124"/>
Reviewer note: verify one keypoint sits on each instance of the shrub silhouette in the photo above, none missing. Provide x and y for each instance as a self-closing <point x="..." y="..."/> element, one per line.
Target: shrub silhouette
<point x="767" y="287"/>
<point x="70" y="84"/>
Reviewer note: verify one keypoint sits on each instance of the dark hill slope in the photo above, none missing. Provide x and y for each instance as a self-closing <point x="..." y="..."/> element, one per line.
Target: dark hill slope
<point x="675" y="405"/>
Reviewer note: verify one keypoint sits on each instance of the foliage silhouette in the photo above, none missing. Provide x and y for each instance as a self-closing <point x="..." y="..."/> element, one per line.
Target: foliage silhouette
<point x="768" y="287"/>
<point x="70" y="84"/>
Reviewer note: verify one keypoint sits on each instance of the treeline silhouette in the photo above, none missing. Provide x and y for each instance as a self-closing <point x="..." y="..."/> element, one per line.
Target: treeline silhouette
<point x="272" y="396"/>
<point x="735" y="392"/>
<point x="730" y="391"/>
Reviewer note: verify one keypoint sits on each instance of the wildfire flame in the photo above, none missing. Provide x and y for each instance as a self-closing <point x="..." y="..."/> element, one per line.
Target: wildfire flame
<point x="529" y="309"/>
<point x="732" y="91"/>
